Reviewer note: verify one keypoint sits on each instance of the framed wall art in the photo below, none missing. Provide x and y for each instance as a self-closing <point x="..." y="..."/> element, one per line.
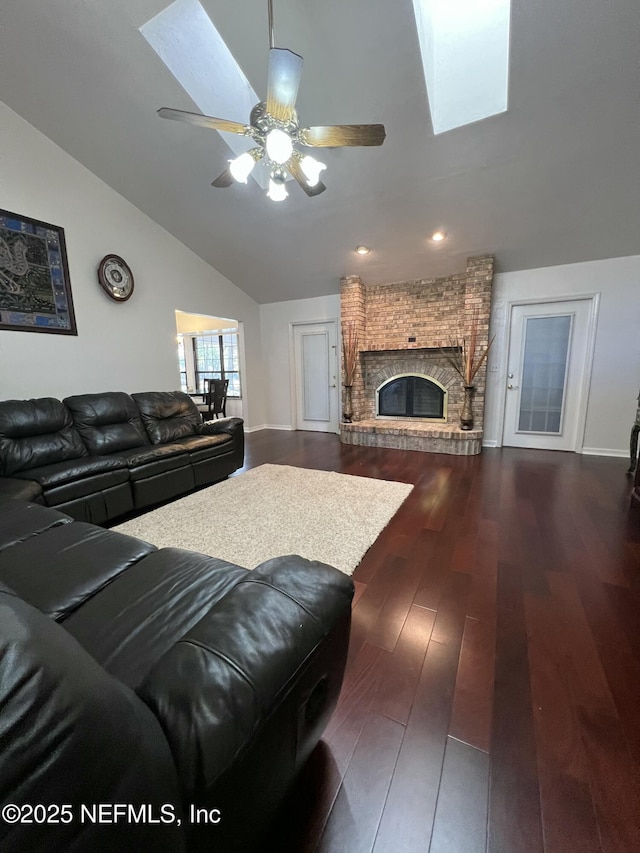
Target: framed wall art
<point x="35" y="292"/>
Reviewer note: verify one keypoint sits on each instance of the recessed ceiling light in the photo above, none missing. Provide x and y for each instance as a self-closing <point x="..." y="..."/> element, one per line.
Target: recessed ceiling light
<point x="438" y="236"/>
<point x="363" y="250"/>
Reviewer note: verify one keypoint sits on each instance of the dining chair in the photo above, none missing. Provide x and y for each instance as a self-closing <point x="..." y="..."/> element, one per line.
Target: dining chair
<point x="215" y="398"/>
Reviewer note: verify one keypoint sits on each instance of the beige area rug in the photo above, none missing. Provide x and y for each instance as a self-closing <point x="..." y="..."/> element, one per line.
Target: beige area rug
<point x="274" y="510"/>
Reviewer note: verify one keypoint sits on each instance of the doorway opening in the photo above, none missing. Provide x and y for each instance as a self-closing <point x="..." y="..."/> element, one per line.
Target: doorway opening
<point x="210" y="347"/>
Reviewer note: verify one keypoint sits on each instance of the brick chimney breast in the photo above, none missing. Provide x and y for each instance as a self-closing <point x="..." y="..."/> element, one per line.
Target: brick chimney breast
<point x="401" y="329"/>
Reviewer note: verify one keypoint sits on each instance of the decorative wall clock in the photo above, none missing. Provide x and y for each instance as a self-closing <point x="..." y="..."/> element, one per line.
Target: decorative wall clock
<point x="115" y="278"/>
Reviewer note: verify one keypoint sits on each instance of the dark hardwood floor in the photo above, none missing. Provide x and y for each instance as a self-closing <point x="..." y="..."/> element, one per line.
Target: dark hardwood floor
<point x="492" y="695"/>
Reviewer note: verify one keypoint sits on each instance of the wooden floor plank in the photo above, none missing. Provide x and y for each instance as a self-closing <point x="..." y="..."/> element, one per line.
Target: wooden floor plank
<point x="515" y="824"/>
<point x="473" y="696"/>
<point x="407" y="820"/>
<point x="354" y="818"/>
<point x="483" y="590"/>
<point x="359" y="589"/>
<point x="398" y="683"/>
<point x="366" y="614"/>
<point x="568" y="814"/>
<point x="395" y="609"/>
<point x="452" y="609"/>
<point x="437" y="504"/>
<point x="358" y="692"/>
<point x="461" y="814"/>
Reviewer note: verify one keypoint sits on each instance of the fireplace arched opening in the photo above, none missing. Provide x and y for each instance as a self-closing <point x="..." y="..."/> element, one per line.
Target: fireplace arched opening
<point x="412" y="395"/>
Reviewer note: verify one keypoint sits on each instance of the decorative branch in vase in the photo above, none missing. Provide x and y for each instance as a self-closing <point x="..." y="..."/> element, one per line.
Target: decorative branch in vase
<point x="349" y="365"/>
<point x="467" y="357"/>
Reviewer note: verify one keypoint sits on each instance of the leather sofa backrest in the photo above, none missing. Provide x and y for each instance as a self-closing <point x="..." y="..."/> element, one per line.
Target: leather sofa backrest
<point x="108" y="422"/>
<point x="167" y="415"/>
<point x="35" y="433"/>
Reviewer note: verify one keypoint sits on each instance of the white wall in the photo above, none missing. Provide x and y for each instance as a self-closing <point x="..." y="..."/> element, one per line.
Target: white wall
<point x="275" y="321"/>
<point x="129" y="346"/>
<point x="615" y="379"/>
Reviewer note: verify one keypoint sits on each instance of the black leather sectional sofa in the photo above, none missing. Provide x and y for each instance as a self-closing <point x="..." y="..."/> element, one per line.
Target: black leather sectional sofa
<point x="97" y="456"/>
<point x="152" y="699"/>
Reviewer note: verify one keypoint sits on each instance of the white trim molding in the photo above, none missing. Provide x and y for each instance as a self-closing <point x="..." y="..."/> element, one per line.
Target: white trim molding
<point x="289" y="428"/>
<point x="605" y="451"/>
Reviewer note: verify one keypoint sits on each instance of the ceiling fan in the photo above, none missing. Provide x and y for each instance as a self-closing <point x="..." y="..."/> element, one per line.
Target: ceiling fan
<point x="273" y="125"/>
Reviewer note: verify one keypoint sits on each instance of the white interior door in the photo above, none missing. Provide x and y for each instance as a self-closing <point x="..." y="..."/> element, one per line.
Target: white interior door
<point x="546" y="377"/>
<point x="316" y="370"/>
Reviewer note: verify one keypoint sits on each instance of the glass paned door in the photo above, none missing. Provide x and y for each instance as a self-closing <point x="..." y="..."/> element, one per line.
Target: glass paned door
<point x="544" y="371"/>
<point x="549" y="359"/>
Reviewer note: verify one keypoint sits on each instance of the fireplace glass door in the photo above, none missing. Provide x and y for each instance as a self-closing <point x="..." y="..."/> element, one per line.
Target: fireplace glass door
<point x="411" y="397"/>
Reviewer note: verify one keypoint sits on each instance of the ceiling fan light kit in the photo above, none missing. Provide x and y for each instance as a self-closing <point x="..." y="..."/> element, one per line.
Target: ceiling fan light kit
<point x="277" y="185"/>
<point x="311" y="168"/>
<point x="242" y="167"/>
<point x="274" y="126"/>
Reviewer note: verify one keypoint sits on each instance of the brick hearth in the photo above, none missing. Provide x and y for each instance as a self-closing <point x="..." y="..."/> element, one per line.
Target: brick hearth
<point x="402" y="435"/>
<point x="402" y="328"/>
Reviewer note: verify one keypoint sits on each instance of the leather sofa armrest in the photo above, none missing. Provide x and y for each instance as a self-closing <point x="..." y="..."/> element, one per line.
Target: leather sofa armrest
<point x="215" y="688"/>
<point x="234" y="426"/>
<point x="23" y="490"/>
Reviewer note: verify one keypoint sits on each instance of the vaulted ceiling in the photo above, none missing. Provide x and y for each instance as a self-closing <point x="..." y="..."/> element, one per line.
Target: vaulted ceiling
<point x="555" y="179"/>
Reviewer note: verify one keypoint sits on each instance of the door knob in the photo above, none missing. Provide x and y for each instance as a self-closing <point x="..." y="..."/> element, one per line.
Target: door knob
<point x="512" y="387"/>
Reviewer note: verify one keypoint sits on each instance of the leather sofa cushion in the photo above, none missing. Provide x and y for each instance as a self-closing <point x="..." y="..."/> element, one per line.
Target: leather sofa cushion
<point x="60" y="568"/>
<point x="72" y="734"/>
<point x="168" y="415"/>
<point x="19" y="522"/>
<point x="107" y="422"/>
<point x="34" y="433"/>
<point x="153" y="459"/>
<point x="72" y="470"/>
<point x="145" y="610"/>
<point x="91" y="488"/>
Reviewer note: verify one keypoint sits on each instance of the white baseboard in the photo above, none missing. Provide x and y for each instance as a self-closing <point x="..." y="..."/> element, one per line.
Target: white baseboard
<point x="269" y="426"/>
<point x="490" y="443"/>
<point x="605" y="451"/>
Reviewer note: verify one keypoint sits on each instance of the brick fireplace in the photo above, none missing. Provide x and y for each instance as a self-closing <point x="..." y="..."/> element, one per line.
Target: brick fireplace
<point x="402" y="330"/>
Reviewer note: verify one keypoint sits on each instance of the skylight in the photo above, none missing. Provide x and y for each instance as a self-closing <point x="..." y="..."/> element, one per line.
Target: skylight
<point x="465" y="56"/>
<point x="188" y="43"/>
